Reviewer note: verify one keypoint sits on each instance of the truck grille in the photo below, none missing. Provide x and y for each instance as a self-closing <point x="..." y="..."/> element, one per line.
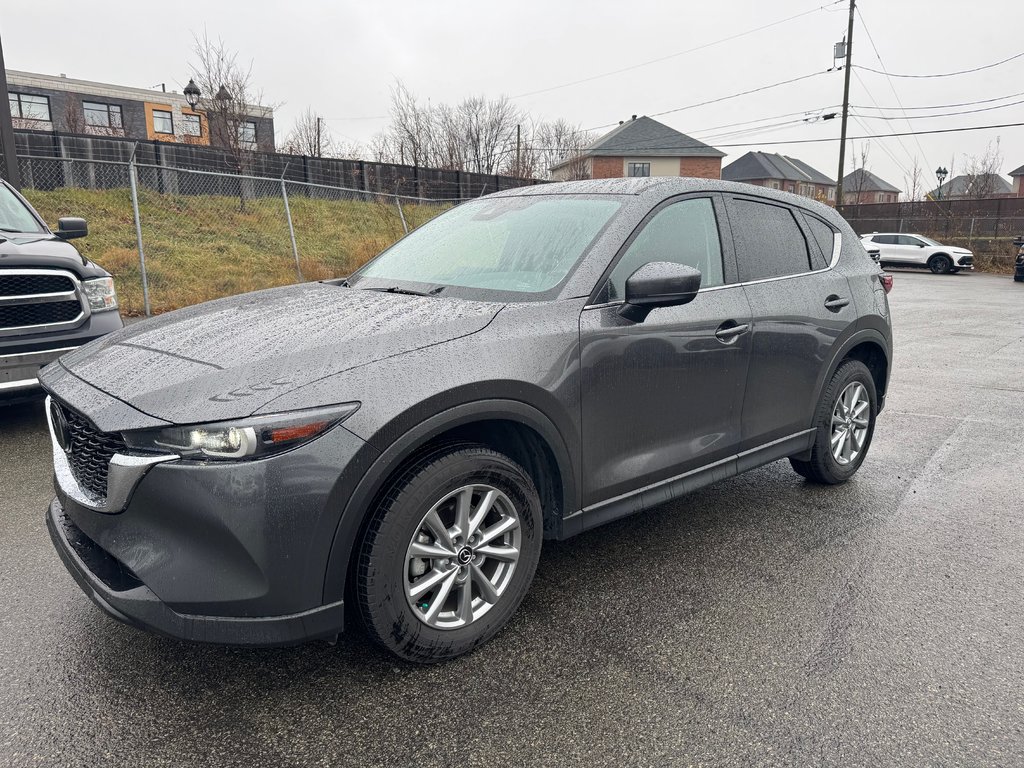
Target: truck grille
<point x="89" y="451"/>
<point x="23" y="315"/>
<point x="32" y="285"/>
<point x="38" y="297"/>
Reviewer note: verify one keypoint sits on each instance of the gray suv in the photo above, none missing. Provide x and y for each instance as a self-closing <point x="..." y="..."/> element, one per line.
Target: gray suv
<point x="526" y="366"/>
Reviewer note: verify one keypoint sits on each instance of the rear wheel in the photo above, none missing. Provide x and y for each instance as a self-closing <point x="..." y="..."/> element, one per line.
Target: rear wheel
<point x="940" y="264"/>
<point x="449" y="554"/>
<point x="845" y="423"/>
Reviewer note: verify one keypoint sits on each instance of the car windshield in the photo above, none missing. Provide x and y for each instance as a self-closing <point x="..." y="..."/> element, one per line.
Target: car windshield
<point x="505" y="248"/>
<point x="927" y="240"/>
<point x="14" y="216"/>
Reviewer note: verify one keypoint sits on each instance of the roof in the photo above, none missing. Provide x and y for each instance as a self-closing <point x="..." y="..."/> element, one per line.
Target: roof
<point x="645" y="137"/>
<point x="1018" y="171"/>
<point x="862" y="180"/>
<point x="770" y="165"/>
<point x="959" y="186"/>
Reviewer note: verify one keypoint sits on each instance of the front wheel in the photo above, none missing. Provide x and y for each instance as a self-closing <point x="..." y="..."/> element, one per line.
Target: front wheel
<point x="845" y="423"/>
<point x="449" y="554"/>
<point x="940" y="264"/>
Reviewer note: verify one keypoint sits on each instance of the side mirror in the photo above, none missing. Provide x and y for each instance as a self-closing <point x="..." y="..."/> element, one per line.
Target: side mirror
<point x="659" y="284"/>
<point x="71" y="227"/>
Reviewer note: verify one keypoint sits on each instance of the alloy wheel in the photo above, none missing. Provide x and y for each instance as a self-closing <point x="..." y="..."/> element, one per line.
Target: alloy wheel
<point x="850" y="421"/>
<point x="462" y="556"/>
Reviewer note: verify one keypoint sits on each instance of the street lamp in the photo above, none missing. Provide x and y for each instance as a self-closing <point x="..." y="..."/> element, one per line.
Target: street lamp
<point x="940" y="174"/>
<point x="192" y="93"/>
<point x="223" y="95"/>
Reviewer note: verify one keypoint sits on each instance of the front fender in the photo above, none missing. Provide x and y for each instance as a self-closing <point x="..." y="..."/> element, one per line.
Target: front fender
<point x="402" y="445"/>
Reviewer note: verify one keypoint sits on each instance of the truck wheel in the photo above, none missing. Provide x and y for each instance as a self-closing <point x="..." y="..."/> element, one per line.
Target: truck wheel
<point x="845" y="423"/>
<point x="449" y="554"/>
<point x="940" y="264"/>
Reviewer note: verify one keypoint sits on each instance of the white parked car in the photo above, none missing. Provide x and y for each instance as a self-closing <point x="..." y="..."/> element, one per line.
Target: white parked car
<point x="905" y="250"/>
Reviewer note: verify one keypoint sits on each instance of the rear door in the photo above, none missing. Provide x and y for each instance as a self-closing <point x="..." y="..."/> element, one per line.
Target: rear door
<point x="887" y="247"/>
<point x="663" y="396"/>
<point x="799" y="307"/>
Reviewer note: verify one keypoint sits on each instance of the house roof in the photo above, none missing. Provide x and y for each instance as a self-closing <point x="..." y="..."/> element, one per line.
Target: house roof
<point x="862" y="180"/>
<point x="764" y="165"/>
<point x="959" y="186"/>
<point x="645" y="137"/>
<point x="1018" y="172"/>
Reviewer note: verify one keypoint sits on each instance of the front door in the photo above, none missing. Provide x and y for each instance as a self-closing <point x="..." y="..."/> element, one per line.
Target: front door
<point x="663" y="396"/>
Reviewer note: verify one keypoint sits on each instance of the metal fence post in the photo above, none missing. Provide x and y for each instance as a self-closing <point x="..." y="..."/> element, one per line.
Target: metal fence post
<point x="401" y="213"/>
<point x="133" y="183"/>
<point x="291" y="227"/>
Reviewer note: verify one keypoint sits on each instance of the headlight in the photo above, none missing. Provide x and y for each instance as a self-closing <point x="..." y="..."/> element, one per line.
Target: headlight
<point x="100" y="293"/>
<point x="245" y="439"/>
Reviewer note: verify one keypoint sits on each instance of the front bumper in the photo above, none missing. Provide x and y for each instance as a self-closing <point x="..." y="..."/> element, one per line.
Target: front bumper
<point x="19" y="372"/>
<point x="120" y="594"/>
<point x="965" y="262"/>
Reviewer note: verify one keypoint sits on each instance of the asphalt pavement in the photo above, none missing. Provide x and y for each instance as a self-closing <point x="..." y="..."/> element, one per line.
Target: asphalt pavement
<point x="762" y="621"/>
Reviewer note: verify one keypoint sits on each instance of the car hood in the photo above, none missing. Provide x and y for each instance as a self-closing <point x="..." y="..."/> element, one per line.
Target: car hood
<point x="227" y="358"/>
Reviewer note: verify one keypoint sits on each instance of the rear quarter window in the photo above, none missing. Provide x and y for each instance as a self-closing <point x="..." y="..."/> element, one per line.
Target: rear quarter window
<point x="824" y="238"/>
<point x="769" y="242"/>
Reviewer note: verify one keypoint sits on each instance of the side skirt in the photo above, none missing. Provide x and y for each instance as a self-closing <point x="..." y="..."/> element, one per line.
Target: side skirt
<point x="666" y="490"/>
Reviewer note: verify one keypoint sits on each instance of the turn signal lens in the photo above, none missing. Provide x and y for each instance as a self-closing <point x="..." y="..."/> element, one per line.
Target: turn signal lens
<point x="289" y="434"/>
<point x="886" y="282"/>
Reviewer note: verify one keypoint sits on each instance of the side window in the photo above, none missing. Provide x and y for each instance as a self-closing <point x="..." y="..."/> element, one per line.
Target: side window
<point x="908" y="240"/>
<point x="769" y="242"/>
<point x="684" y="233"/>
<point x="884" y="239"/>
<point x="824" y="235"/>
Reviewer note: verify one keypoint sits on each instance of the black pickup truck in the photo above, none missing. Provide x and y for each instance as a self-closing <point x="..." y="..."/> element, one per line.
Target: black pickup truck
<point x="52" y="299"/>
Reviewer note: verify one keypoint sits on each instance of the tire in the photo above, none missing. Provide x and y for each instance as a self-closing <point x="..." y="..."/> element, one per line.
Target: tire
<point x="1018" y="278"/>
<point x="824" y="466"/>
<point x="954" y="270"/>
<point x="940" y="264"/>
<point x="431" y="626"/>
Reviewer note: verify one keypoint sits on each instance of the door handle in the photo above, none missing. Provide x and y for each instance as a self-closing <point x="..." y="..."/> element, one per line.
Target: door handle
<point x="729" y="330"/>
<point x="835" y="303"/>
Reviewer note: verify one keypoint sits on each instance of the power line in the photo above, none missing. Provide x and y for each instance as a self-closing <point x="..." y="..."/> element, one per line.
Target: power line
<point x="942" y="106"/>
<point x="942" y="114"/>
<point x="677" y="53"/>
<point x="836" y="138"/>
<point x="943" y="74"/>
<point x="721" y="98"/>
<point x="892" y="86"/>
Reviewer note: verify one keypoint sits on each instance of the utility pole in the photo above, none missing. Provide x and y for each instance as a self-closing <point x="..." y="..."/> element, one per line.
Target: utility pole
<point x="846" y="106"/>
<point x="318" y="121"/>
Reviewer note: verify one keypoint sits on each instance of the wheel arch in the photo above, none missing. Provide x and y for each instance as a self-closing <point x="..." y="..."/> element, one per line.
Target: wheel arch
<point x="872" y="348"/>
<point x="521" y="431"/>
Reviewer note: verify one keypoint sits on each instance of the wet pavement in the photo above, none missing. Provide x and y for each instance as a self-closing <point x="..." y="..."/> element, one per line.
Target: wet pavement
<point x="761" y="621"/>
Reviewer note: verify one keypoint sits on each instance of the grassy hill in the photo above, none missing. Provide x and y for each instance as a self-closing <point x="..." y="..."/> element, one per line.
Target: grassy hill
<point x="201" y="247"/>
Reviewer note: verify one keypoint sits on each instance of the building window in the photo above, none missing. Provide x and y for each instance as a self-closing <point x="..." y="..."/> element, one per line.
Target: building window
<point x="807" y="190"/>
<point x="773" y="184"/>
<point x="191" y="125"/>
<point x="831" y="193"/>
<point x="638" y="169"/>
<point x="99" y="115"/>
<point x="247" y="134"/>
<point x="28" y="107"/>
<point x="163" y="122"/>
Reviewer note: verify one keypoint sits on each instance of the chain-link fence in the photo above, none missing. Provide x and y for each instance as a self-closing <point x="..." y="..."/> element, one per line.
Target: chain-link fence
<point x="173" y="237"/>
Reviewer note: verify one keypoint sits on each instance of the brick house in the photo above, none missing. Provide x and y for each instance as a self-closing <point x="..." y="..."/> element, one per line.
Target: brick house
<point x="1018" y="181"/>
<point x="862" y="186"/>
<point x="970" y="187"/>
<point x="775" y="171"/>
<point x="642" y="147"/>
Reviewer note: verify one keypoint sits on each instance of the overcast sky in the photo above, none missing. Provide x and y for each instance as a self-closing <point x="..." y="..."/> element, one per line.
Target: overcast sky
<point x="341" y="58"/>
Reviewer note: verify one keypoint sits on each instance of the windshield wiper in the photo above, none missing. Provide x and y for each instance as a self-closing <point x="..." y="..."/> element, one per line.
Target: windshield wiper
<point x="408" y="291"/>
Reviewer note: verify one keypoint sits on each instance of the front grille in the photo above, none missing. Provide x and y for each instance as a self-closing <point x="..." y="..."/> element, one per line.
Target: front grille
<point x="21" y="315"/>
<point x="89" y="452"/>
<point x="30" y="285"/>
<point x="965" y="260"/>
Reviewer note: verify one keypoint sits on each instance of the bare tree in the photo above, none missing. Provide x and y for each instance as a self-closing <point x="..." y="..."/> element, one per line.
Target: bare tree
<point x="560" y="141"/>
<point x="913" y="183"/>
<point x="229" y="99"/>
<point x="860" y="168"/>
<point x="982" y="171"/>
<point x="309" y="136"/>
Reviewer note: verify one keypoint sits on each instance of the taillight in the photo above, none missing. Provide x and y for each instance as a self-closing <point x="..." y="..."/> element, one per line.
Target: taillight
<point x="886" y="282"/>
